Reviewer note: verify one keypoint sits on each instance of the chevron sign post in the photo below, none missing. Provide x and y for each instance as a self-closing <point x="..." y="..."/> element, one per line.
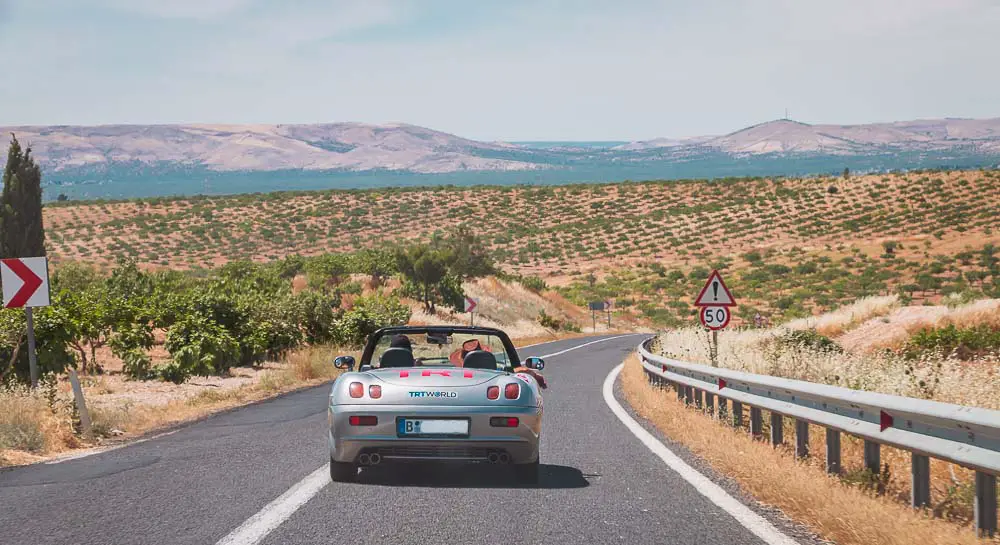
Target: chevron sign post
<point x="26" y="285"/>
<point x="470" y="307"/>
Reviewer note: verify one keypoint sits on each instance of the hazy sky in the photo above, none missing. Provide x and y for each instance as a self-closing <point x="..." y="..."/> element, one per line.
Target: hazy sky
<point x="499" y="69"/>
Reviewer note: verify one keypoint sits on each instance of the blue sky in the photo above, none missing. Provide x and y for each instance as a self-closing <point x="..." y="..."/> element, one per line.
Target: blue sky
<point x="499" y="69"/>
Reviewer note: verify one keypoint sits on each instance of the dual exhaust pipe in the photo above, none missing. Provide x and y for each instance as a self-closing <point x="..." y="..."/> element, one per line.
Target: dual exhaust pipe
<point x="498" y="458"/>
<point x="372" y="459"/>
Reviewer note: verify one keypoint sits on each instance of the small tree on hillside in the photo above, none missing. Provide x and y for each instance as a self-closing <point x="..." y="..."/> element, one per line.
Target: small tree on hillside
<point x="426" y="268"/>
<point x="21" y="230"/>
<point x="467" y="255"/>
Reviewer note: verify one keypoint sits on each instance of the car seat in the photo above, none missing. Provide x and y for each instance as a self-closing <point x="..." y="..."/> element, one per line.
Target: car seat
<point x="396" y="357"/>
<point x="480" y="359"/>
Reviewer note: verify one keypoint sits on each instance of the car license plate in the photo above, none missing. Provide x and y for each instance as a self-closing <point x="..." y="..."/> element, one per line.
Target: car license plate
<point x="431" y="426"/>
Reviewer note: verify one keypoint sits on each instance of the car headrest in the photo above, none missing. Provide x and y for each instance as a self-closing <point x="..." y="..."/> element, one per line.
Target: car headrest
<point x="480" y="359"/>
<point x="396" y="357"/>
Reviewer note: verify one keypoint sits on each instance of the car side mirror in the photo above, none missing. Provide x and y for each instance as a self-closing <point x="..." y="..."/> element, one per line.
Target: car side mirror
<point x="535" y="363"/>
<point x="344" y="362"/>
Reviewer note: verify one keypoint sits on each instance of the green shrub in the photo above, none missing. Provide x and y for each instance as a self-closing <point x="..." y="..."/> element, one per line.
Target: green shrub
<point x="533" y="283"/>
<point x="201" y="346"/>
<point x="369" y="314"/>
<point x="549" y="322"/>
<point x="963" y="343"/>
<point x="130" y="343"/>
<point x="808" y="339"/>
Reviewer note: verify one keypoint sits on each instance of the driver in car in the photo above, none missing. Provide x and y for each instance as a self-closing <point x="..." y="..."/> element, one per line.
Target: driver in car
<point x="402" y="341"/>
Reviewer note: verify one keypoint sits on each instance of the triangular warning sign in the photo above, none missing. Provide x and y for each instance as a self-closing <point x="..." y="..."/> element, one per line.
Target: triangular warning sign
<point x="715" y="293"/>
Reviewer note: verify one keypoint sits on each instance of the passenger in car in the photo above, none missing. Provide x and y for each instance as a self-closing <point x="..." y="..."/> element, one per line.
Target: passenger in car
<point x="457" y="358"/>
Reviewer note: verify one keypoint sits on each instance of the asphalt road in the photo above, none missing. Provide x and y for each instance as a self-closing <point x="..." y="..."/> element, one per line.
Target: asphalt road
<point x="599" y="483"/>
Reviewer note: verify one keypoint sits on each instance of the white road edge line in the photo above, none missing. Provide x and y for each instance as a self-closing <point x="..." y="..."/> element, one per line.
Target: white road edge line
<point x="265" y="521"/>
<point x="750" y="520"/>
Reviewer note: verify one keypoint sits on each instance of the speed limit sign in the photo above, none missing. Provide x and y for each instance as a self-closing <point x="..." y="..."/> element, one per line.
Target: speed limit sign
<point x="715" y="318"/>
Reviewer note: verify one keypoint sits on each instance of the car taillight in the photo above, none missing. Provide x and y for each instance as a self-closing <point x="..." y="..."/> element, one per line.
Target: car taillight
<point x="363" y="420"/>
<point x="504" y="421"/>
<point x="357" y="389"/>
<point x="375" y="391"/>
<point x="511" y="391"/>
<point x="493" y="392"/>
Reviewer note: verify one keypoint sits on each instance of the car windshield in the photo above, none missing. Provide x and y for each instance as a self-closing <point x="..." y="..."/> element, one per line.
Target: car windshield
<point x="444" y="350"/>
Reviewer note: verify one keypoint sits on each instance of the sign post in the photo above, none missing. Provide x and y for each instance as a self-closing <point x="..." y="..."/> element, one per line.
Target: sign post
<point x="470" y="307"/>
<point x="715" y="301"/>
<point x="26" y="285"/>
<point x="594" y="307"/>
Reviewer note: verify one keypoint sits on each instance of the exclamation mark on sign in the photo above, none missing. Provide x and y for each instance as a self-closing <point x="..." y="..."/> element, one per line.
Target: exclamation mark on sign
<point x="715" y="290"/>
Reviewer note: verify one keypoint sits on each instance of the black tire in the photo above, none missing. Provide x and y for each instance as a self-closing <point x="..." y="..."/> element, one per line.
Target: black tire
<point x="343" y="472"/>
<point x="527" y="473"/>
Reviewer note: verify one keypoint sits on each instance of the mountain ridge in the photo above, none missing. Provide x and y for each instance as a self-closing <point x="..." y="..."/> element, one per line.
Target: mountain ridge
<point x="403" y="147"/>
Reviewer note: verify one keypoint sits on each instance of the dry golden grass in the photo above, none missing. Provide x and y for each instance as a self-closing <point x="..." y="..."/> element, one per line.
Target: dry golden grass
<point x="27" y="423"/>
<point x="947" y="379"/>
<point x="847" y="515"/>
<point x="843" y="319"/>
<point x="985" y="312"/>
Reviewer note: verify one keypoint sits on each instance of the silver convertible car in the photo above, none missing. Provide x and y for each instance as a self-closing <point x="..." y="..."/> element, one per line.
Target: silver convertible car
<point x="436" y="393"/>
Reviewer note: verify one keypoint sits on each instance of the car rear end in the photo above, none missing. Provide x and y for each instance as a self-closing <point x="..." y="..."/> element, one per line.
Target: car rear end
<point x="430" y="414"/>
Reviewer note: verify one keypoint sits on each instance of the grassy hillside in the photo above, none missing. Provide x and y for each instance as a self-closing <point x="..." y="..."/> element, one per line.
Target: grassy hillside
<point x="790" y="247"/>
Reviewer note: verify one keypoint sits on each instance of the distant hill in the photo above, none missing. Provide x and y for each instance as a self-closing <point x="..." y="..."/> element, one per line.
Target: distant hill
<point x="334" y="146"/>
<point x="789" y="137"/>
<point x="121" y="161"/>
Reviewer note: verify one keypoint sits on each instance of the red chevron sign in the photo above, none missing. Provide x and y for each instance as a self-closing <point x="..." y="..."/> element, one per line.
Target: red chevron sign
<point x="25" y="282"/>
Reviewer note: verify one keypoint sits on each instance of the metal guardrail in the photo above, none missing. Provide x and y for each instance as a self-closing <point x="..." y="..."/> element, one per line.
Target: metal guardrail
<point x="966" y="436"/>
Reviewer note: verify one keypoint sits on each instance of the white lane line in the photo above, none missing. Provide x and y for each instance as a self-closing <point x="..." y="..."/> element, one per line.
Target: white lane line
<point x="273" y="514"/>
<point x="257" y="527"/>
<point x="750" y="520"/>
<point x="588" y="344"/>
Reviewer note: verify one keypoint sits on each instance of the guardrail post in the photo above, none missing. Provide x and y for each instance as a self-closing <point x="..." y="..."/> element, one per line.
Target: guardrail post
<point x="697" y="398"/>
<point x="801" y="438"/>
<point x="986" y="504"/>
<point x="737" y="414"/>
<point x="680" y="390"/>
<point x="688" y="395"/>
<point x="920" y="473"/>
<point x="832" y="451"/>
<point x="756" y="426"/>
<point x="777" y="429"/>
<point x="710" y="403"/>
<point x="723" y="411"/>
<point x="873" y="456"/>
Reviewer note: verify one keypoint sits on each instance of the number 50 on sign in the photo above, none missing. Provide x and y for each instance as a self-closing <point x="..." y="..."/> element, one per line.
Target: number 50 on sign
<point x="715" y="318"/>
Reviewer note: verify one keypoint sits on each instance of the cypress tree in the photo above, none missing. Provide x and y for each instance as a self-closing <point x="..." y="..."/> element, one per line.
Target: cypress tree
<point x="21" y="230"/>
